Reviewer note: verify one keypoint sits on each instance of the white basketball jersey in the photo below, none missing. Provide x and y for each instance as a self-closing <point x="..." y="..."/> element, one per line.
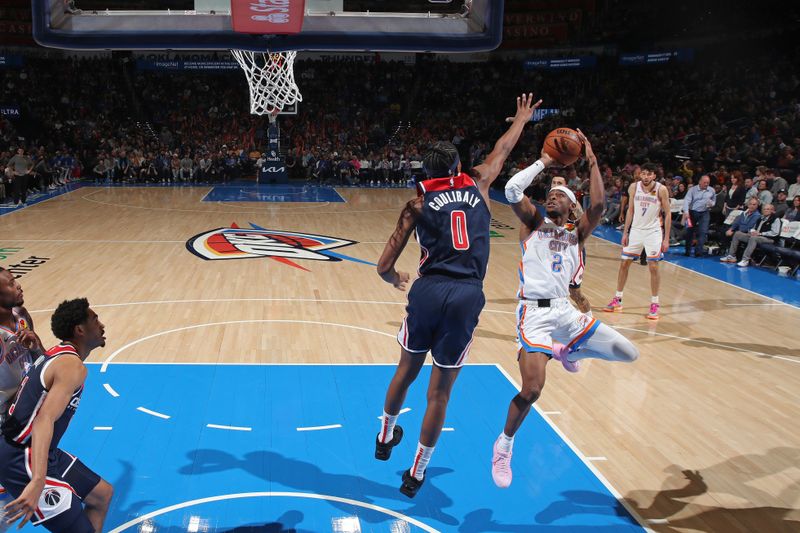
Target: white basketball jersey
<point x="646" y="208"/>
<point x="550" y="258"/>
<point x="15" y="359"/>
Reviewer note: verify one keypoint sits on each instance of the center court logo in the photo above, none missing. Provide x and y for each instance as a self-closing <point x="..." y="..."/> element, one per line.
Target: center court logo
<point x="254" y="242"/>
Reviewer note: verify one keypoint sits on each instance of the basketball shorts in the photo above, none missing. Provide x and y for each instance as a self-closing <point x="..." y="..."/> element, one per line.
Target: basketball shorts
<point x="442" y="314"/>
<point x="67" y="483"/>
<point x="577" y="279"/>
<point x="650" y="240"/>
<point x="537" y="327"/>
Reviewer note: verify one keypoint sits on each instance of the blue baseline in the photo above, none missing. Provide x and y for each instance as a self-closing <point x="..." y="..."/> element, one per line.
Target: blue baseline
<point x="758" y="280"/>
<point x="273" y="193"/>
<point x="39" y="197"/>
<point x="156" y="463"/>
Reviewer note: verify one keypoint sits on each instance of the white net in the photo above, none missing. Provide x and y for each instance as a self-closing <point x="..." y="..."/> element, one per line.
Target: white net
<point x="271" y="79"/>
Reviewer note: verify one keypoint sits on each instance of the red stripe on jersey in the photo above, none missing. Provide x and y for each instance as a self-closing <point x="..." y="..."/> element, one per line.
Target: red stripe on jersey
<point x="460" y="181"/>
<point x="61" y="348"/>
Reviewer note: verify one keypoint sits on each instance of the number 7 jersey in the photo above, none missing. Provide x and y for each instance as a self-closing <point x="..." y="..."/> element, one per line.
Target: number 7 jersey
<point x="453" y="228"/>
<point x="551" y="258"/>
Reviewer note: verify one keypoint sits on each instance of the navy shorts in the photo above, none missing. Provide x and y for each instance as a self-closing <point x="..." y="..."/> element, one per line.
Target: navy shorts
<point x="67" y="483"/>
<point x="442" y="314"/>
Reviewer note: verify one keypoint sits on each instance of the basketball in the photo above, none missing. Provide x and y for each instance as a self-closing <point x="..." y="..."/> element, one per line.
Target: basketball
<point x="564" y="145"/>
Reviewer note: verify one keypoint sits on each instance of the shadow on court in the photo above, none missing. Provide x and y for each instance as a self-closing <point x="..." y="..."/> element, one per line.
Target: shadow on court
<point x="306" y="477"/>
<point x="577" y="502"/>
<point x="676" y="504"/>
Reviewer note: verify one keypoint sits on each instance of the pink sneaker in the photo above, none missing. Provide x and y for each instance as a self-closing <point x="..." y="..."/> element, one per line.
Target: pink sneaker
<point x="653" y="314"/>
<point x="615" y="306"/>
<point x="560" y="353"/>
<point x="501" y="466"/>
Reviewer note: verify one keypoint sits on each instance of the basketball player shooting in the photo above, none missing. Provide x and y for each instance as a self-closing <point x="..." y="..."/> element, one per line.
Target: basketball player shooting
<point x="575" y="292"/>
<point x="551" y="254"/>
<point x="450" y="216"/>
<point x="648" y="199"/>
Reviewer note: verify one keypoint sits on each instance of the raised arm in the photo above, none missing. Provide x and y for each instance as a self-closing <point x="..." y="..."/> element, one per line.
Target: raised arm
<point x="591" y="218"/>
<point x="515" y="194"/>
<point x="397" y="242"/>
<point x="488" y="171"/>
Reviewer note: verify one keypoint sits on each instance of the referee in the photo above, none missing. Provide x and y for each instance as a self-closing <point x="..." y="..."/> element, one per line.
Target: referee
<point x="21" y="167"/>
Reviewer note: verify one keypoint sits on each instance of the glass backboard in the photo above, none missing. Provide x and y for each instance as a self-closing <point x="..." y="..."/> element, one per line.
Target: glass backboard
<point x="327" y="25"/>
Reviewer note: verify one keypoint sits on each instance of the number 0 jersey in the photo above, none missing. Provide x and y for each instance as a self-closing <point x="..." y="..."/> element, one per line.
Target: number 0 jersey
<point x="551" y="258"/>
<point x="453" y="229"/>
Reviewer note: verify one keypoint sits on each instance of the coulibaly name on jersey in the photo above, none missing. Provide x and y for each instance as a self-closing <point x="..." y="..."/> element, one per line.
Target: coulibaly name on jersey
<point x="448" y="197"/>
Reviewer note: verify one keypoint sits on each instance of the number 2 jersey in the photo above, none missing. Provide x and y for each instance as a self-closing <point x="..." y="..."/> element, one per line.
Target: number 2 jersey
<point x="453" y="228"/>
<point x="551" y="258"/>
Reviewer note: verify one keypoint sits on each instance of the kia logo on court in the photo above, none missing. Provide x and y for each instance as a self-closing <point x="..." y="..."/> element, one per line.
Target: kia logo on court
<point x="257" y="242"/>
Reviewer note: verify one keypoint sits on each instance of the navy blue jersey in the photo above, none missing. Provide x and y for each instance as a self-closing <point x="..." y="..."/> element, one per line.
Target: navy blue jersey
<point x="22" y="412"/>
<point x="453" y="230"/>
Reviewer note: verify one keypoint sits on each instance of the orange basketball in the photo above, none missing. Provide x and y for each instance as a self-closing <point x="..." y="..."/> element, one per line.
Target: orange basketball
<point x="564" y="145"/>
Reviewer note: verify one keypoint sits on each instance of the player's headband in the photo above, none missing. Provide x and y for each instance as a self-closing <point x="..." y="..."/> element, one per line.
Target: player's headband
<point x="566" y="191"/>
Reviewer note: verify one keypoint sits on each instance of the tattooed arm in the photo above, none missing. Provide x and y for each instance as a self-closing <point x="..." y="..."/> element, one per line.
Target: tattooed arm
<point x="397" y="242"/>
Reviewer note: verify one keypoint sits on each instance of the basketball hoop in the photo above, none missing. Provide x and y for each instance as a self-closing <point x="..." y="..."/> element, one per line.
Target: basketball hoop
<point x="270" y="76"/>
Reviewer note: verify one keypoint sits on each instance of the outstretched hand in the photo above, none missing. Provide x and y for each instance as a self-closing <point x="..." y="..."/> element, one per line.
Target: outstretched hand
<point x="587" y="146"/>
<point x="525" y="108"/>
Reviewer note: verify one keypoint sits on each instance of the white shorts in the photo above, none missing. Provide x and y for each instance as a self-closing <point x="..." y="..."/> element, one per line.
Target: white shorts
<point x="538" y="326"/>
<point x="650" y="240"/>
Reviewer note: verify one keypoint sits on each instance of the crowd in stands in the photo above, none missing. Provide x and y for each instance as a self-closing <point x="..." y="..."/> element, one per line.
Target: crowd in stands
<point x="370" y="122"/>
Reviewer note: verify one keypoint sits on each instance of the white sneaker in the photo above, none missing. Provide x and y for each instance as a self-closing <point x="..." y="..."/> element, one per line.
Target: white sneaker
<point x="728" y="259"/>
<point x="743" y="263"/>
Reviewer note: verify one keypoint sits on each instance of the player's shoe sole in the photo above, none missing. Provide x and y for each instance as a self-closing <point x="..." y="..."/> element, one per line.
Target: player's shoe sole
<point x="384" y="450"/>
<point x="411" y="485"/>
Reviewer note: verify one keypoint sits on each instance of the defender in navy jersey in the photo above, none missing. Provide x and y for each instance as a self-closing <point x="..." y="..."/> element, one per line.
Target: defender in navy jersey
<point x="50" y="485"/>
<point x="450" y="217"/>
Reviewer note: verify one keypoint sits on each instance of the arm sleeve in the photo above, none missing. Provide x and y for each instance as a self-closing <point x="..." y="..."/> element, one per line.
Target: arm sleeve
<point x="687" y="200"/>
<point x="515" y="188"/>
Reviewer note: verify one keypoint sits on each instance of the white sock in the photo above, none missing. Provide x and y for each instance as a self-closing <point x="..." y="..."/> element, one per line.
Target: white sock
<point x="421" y="460"/>
<point x="654" y="299"/>
<point x="505" y="443"/>
<point x="619" y="295"/>
<point x="387" y="427"/>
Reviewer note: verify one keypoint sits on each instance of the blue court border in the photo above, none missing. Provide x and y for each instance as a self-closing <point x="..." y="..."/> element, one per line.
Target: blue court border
<point x="273" y="193"/>
<point x="156" y="463"/>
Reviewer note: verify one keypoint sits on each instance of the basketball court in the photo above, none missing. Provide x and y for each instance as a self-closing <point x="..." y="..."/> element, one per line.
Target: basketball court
<point x="241" y="392"/>
<point x="250" y="342"/>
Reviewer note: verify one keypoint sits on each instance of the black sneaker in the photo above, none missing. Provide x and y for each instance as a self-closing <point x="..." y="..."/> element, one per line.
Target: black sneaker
<point x="384" y="451"/>
<point x="411" y="485"/>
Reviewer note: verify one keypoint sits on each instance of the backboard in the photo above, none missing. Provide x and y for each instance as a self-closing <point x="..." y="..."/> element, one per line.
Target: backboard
<point x="327" y="25"/>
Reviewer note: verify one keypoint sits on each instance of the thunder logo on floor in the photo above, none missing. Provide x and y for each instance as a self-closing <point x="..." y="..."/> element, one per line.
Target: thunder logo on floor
<point x="283" y="246"/>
